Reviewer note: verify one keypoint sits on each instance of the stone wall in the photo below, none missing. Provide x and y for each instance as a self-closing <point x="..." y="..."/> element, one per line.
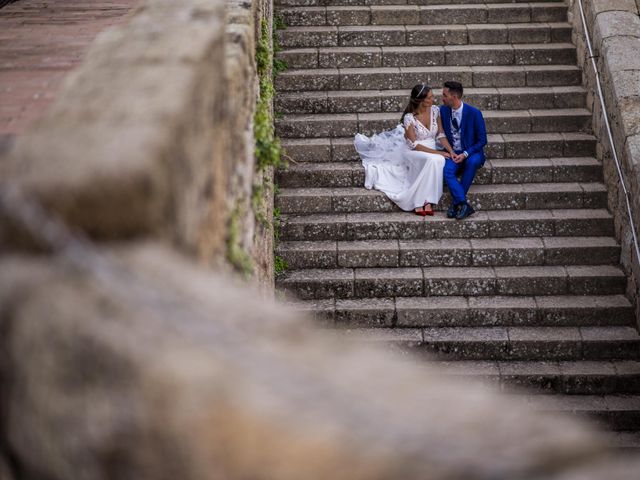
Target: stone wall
<point x="614" y="30"/>
<point x="153" y="135"/>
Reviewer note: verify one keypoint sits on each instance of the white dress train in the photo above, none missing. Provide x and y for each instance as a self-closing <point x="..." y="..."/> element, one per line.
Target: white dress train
<point x="392" y="165"/>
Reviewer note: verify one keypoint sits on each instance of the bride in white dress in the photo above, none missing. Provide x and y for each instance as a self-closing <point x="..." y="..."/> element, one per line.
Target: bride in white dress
<point x="403" y="162"/>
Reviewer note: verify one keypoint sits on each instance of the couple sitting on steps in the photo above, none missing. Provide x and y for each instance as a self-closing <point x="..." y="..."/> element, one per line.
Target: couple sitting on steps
<point x="405" y="164"/>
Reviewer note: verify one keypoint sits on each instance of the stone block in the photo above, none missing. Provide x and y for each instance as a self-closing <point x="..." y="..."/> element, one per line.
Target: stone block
<point x="507" y="251"/>
<point x="372" y="312"/>
<point x="361" y="101"/>
<point x="309" y="102"/>
<point x="521" y="171"/>
<point x="594" y="310"/>
<point x="616" y="24"/>
<point x="549" y="343"/>
<point x="308" y="37"/>
<point x="506" y="121"/>
<point x="581" y="251"/>
<point x="297" y="80"/>
<point x="498" y="76"/>
<point x="542" y="12"/>
<point x="348" y="15"/>
<point x="559" y="54"/>
<point x="459" y="281"/>
<point x="430" y="311"/>
<point x="300" y="58"/>
<point x="436" y="253"/>
<point x="313" y="227"/>
<point x="488" y="33"/>
<point x="318" y="283"/>
<point x="371" y="253"/>
<point x="578" y="145"/>
<point x="528" y="33"/>
<point x="599" y="280"/>
<point x="501" y="13"/>
<point x="304" y="200"/>
<point x="520" y="223"/>
<point x="307" y="150"/>
<point x="308" y="254"/>
<point x="388" y="282"/>
<point x="412" y="56"/>
<point x="456" y="14"/>
<point x="360" y="57"/>
<point x="469" y="343"/>
<point x="553" y="195"/>
<point x="502" y="310"/>
<point x="531" y="280"/>
<point x="605" y="343"/>
<point x="619" y="53"/>
<point x="395" y="15"/>
<point x="411" y="76"/>
<point x="310" y="16"/>
<point x="534" y="145"/>
<point x="479" y="55"/>
<point x="342" y="150"/>
<point x="370" y="36"/>
<point x="541" y="76"/>
<point x="368" y="79"/>
<point x="582" y="222"/>
<point x="437" y="35"/>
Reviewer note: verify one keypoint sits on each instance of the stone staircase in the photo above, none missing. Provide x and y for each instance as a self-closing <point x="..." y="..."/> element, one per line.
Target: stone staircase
<point x="528" y="291"/>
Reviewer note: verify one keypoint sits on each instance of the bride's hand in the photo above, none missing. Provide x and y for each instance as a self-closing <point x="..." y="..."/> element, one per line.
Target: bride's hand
<point x="445" y="154"/>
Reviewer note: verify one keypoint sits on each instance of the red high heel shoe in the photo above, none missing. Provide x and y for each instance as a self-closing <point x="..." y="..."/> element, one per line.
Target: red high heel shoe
<point x="429" y="212"/>
<point x="421" y="213"/>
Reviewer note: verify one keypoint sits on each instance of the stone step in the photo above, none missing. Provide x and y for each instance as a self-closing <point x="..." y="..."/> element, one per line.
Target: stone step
<point x="509" y="343"/>
<point x="434" y="36"/>
<point x="457" y="14"/>
<point x="377" y="101"/>
<point x="487" y="311"/>
<point x="564" y="377"/>
<point x="497" y="121"/>
<point x="394" y="78"/>
<point x="353" y="3"/>
<point x="362" y="35"/>
<point x="407" y="226"/>
<point x="484" y="252"/>
<point x="497" y="171"/>
<point x="467" y="55"/>
<point x="627" y="442"/>
<point x="615" y="412"/>
<point x="500" y="146"/>
<point x="456" y="281"/>
<point x="532" y="196"/>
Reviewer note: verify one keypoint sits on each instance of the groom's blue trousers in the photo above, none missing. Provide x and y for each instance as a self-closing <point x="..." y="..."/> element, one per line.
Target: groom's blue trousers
<point x="468" y="167"/>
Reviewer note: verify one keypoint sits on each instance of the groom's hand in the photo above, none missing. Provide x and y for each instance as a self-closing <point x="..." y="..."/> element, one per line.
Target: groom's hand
<point x="458" y="158"/>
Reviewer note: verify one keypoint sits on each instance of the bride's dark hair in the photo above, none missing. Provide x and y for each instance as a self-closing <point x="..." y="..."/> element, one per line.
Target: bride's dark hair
<point x="418" y="93"/>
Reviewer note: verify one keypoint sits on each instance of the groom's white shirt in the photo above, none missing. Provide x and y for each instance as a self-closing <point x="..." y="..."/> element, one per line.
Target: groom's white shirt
<point x="457" y="114"/>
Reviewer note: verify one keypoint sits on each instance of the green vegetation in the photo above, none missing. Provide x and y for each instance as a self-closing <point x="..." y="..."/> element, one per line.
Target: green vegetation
<point x="235" y="254"/>
<point x="280" y="265"/>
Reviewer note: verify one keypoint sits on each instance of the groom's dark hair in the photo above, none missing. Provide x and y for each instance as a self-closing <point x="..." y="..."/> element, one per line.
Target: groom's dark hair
<point x="455" y="88"/>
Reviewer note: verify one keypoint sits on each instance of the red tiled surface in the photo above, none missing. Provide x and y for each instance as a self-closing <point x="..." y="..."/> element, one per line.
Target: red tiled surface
<point x="40" y="42"/>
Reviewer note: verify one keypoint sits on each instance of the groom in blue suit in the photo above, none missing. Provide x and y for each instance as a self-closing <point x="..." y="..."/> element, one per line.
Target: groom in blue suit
<point x="464" y="127"/>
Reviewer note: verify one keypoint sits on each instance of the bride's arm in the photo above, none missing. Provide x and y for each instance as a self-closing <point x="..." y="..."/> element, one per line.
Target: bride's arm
<point x="443" y="138"/>
<point x="410" y="134"/>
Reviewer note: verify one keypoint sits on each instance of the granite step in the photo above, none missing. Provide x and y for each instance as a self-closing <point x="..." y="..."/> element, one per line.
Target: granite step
<point x="307" y="57"/>
<point x="553" y="377"/>
<point x="497" y="121"/>
<point x="485" y="252"/>
<point x="459" y="311"/>
<point x="499" y="146"/>
<point x="497" y="171"/>
<point x="614" y="412"/>
<point x="453" y="281"/>
<point x="394" y="78"/>
<point x="378" y="101"/>
<point x="509" y="343"/>
<point x="358" y="32"/>
<point x="458" y="14"/>
<point x="347" y="4"/>
<point x="626" y="442"/>
<point x="532" y="196"/>
<point x="486" y="224"/>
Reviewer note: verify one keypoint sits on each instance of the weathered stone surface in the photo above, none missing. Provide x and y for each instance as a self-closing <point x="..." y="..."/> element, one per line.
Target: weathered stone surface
<point x="181" y="382"/>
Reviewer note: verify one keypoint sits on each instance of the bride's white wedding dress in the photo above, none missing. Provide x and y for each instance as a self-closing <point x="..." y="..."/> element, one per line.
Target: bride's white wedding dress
<point x="408" y="177"/>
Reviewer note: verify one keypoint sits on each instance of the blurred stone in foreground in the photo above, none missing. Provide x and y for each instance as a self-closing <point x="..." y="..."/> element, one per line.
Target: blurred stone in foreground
<point x="160" y="370"/>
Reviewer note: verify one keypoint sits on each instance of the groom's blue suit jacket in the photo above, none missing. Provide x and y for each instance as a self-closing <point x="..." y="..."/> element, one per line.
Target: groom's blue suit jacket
<point x="473" y="133"/>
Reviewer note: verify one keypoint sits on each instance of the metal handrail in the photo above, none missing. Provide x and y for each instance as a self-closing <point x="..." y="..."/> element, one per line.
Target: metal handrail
<point x="606" y="122"/>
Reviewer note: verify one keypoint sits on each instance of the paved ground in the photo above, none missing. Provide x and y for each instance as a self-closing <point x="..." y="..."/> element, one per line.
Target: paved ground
<point x="40" y="42"/>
